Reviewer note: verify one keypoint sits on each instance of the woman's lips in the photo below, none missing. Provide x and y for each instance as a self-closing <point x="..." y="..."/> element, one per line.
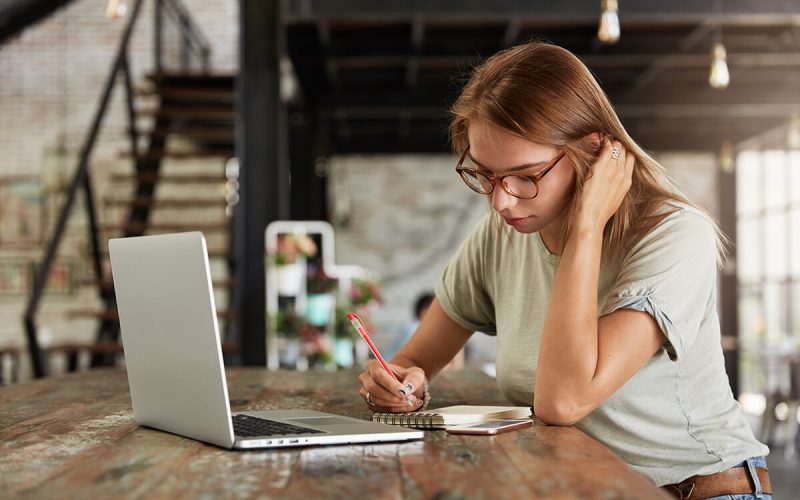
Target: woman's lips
<point x="516" y="221"/>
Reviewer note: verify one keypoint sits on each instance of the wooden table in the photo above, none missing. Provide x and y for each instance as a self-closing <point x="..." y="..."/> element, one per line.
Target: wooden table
<point x="74" y="437"/>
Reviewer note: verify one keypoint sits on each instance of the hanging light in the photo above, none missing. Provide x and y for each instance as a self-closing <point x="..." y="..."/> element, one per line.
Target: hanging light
<point x="116" y="9"/>
<point x="793" y="132"/>
<point x="726" y="160"/>
<point x="719" y="77"/>
<point x="608" y="32"/>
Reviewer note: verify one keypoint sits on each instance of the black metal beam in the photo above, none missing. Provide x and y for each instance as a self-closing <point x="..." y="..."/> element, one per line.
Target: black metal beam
<point x="308" y="160"/>
<point x="563" y="11"/>
<point x="16" y="15"/>
<point x="261" y="184"/>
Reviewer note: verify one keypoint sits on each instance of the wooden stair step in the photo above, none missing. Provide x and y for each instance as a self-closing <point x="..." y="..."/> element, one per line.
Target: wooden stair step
<point x="170" y="227"/>
<point x="213" y="253"/>
<point x="108" y="284"/>
<point x="159" y="154"/>
<point x="149" y="201"/>
<point x="93" y="348"/>
<point x="154" y="177"/>
<point x="194" y="112"/>
<point x="207" y="133"/>
<point x="113" y="315"/>
<point x="228" y="346"/>
<point x="165" y="78"/>
<point x="193" y="94"/>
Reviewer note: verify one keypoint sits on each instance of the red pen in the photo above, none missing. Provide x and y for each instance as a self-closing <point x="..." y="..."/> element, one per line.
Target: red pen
<point x="360" y="328"/>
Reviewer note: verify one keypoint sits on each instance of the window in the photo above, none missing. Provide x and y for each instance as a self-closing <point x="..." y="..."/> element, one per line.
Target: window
<point x="768" y="256"/>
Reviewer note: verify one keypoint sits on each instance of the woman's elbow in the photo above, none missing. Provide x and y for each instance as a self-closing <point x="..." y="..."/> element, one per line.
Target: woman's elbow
<point x="555" y="412"/>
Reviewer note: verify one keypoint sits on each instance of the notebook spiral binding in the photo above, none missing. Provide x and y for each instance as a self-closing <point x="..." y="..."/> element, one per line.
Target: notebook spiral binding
<point x="415" y="420"/>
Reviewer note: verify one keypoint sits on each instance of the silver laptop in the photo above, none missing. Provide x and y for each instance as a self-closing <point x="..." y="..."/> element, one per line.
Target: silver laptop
<point x="174" y="358"/>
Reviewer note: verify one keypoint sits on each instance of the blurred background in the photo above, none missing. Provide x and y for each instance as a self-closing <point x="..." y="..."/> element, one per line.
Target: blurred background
<point x="307" y="140"/>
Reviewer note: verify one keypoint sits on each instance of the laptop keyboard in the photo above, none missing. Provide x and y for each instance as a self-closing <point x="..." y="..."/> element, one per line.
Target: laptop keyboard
<point x="249" y="426"/>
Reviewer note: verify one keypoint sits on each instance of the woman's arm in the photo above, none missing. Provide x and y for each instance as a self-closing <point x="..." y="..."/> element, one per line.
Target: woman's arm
<point x="583" y="360"/>
<point x="437" y="340"/>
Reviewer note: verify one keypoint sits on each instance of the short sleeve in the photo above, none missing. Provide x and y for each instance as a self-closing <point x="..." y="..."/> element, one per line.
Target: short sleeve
<point x="671" y="274"/>
<point x="462" y="288"/>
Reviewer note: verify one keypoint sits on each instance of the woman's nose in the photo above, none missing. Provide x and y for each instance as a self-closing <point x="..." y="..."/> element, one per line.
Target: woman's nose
<point x="501" y="199"/>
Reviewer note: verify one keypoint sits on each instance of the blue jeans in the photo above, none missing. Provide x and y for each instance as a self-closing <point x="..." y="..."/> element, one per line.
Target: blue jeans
<point x="751" y="464"/>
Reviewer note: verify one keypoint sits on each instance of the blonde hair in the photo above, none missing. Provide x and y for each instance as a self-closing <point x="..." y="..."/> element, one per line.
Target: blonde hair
<point x="545" y="94"/>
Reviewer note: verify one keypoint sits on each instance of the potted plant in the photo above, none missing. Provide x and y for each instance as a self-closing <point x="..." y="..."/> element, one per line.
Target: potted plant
<point x="288" y="258"/>
<point x="320" y="299"/>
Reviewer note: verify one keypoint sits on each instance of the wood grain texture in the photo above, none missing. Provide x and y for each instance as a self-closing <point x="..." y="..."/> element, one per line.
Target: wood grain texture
<point x="74" y="437"/>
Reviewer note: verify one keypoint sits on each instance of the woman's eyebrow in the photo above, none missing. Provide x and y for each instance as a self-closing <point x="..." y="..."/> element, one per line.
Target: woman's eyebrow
<point x="512" y="169"/>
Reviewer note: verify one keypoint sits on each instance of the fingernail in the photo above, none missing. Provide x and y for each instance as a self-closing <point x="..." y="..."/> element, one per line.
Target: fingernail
<point x="403" y="392"/>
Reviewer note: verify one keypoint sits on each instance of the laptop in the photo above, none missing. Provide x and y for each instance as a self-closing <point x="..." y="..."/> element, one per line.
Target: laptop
<point x="174" y="361"/>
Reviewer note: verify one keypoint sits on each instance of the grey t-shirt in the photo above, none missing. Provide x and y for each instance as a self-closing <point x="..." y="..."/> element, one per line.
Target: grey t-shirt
<point x="676" y="417"/>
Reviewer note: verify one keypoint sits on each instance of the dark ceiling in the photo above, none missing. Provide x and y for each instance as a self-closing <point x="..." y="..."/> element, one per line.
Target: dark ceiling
<point x="16" y="15"/>
<point x="381" y="75"/>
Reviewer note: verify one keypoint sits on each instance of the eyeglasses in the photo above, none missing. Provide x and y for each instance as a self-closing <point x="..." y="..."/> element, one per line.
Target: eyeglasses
<point x="521" y="186"/>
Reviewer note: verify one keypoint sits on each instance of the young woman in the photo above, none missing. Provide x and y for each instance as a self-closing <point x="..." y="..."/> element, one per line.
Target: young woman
<point x="596" y="275"/>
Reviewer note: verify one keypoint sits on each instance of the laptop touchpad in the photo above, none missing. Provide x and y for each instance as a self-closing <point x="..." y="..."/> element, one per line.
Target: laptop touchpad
<point x="322" y="421"/>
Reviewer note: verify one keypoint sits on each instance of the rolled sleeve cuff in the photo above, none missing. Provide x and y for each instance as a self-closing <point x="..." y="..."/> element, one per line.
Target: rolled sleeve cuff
<point x="647" y="303"/>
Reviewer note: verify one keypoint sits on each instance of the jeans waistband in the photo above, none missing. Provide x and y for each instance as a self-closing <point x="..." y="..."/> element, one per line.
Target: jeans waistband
<point x="757" y="461"/>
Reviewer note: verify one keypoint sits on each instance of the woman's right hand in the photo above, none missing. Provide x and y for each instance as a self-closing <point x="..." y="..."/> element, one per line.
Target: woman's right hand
<point x="382" y="393"/>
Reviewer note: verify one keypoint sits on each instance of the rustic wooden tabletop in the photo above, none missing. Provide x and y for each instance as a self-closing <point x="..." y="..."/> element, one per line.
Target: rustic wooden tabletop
<point x="74" y="437"/>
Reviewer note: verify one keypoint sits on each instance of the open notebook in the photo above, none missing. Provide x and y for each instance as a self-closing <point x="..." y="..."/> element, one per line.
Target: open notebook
<point x="452" y="415"/>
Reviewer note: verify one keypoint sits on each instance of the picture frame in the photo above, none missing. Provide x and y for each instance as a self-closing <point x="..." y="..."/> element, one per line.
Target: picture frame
<point x="15" y="277"/>
<point x="21" y="212"/>
<point x="62" y="279"/>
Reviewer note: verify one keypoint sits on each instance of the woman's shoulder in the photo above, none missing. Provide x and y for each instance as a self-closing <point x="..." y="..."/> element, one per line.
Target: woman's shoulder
<point x="682" y="219"/>
<point x="683" y="230"/>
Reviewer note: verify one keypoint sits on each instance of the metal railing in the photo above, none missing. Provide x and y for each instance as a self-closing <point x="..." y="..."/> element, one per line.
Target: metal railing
<point x="192" y="42"/>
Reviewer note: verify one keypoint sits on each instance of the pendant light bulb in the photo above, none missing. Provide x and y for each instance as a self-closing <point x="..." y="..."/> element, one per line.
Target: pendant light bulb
<point x="116" y="9"/>
<point x="793" y="133"/>
<point x="720" y="77"/>
<point x="609" y="31"/>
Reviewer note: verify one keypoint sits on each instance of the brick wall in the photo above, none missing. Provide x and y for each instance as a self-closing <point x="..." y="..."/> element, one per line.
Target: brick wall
<point x="51" y="76"/>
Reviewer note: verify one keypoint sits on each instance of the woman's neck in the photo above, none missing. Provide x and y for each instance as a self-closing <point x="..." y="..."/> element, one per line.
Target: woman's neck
<point x="551" y="235"/>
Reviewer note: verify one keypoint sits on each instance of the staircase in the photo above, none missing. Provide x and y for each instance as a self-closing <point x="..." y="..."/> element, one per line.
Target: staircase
<point x="178" y="184"/>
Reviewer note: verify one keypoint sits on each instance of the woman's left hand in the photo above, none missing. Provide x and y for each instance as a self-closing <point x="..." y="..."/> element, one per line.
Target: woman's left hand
<point x="609" y="181"/>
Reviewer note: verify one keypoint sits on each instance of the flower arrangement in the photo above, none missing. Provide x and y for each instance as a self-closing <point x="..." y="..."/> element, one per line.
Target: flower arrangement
<point x="292" y="246"/>
<point x="365" y="296"/>
<point x="318" y="281"/>
<point x="364" y="292"/>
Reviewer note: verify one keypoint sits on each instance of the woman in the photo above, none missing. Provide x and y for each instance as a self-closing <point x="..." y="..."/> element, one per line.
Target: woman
<point x="597" y="276"/>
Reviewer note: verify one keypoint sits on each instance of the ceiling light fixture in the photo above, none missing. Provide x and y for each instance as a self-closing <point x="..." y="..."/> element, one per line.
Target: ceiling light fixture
<point x="116" y="9"/>
<point x="719" y="77"/>
<point x="608" y="32"/>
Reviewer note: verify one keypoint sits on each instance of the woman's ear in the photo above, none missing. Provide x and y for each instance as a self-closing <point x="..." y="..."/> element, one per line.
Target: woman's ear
<point x="596" y="139"/>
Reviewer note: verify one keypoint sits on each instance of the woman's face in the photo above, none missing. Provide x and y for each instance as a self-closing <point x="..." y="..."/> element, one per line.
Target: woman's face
<point x="499" y="152"/>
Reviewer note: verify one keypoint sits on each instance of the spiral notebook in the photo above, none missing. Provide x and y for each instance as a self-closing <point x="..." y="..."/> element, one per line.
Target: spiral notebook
<point x="452" y="415"/>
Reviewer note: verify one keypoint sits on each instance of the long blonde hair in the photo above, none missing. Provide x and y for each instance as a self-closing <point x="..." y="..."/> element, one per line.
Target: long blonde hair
<point x="545" y="94"/>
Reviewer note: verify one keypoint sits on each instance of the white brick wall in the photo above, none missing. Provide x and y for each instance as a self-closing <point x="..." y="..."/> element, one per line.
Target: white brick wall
<point x="51" y="76"/>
